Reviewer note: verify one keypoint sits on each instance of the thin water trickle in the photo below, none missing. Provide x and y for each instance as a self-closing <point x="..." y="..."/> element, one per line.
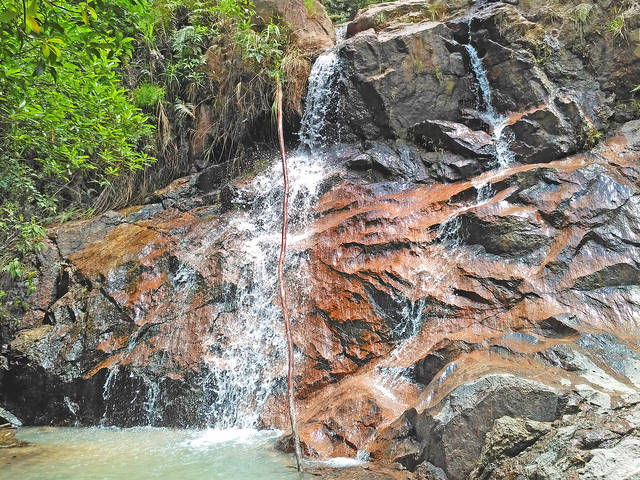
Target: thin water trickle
<point x="501" y="141"/>
<point x="449" y="369"/>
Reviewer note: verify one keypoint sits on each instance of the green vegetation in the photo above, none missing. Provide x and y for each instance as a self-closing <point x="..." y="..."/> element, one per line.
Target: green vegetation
<point x="67" y="127"/>
<point x="343" y="10"/>
<point x="436" y="11"/>
<point x="216" y="78"/>
<point x="617" y="26"/>
<point x="589" y="136"/>
<point x="99" y="101"/>
<point x="148" y="95"/>
<point x="310" y="5"/>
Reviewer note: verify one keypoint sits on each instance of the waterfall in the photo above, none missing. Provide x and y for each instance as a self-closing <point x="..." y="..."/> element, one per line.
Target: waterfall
<point x="246" y="359"/>
<point x="496" y="122"/>
<point x="323" y="83"/>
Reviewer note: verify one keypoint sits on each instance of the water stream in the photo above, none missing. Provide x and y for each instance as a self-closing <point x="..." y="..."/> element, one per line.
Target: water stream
<point x="497" y="123"/>
<point x="246" y="358"/>
<point x="323" y="80"/>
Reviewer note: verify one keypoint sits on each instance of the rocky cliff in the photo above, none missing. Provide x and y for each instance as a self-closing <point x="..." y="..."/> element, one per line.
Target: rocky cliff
<point x="456" y="316"/>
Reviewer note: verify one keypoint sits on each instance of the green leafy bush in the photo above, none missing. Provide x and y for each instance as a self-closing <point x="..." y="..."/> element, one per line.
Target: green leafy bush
<point x="67" y="128"/>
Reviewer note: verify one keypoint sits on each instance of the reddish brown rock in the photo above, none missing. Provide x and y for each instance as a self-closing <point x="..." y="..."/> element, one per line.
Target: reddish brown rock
<point x="309" y="21"/>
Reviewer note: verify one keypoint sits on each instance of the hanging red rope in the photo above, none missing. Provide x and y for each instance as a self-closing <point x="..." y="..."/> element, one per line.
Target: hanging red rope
<point x="283" y="294"/>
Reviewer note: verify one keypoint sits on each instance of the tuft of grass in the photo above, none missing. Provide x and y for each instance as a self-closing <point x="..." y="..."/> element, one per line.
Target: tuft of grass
<point x="148" y="95"/>
<point x="439" y="75"/>
<point x="617" y="26"/>
<point x="590" y="136"/>
<point x="436" y="11"/>
<point x="581" y="13"/>
<point x="310" y="6"/>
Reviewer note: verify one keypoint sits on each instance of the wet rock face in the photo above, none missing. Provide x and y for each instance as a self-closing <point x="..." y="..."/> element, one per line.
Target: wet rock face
<point x="402" y="76"/>
<point x="406" y="65"/>
<point x="116" y="334"/>
<point x="454" y="318"/>
<point x="525" y="263"/>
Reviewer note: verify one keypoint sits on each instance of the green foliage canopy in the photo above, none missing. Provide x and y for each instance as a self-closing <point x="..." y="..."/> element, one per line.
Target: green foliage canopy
<point x="67" y="127"/>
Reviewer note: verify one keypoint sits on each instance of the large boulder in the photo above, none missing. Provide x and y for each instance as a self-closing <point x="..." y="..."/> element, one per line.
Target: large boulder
<point x="453" y="432"/>
<point x="309" y="21"/>
<point x="401" y="76"/>
<point x="381" y="15"/>
<point x="584" y="445"/>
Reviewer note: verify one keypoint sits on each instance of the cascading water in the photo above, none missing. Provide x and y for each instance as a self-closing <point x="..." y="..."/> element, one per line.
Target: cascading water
<point x="501" y="141"/>
<point x="246" y="356"/>
<point x="323" y="81"/>
<point x="496" y="122"/>
<point x="246" y="361"/>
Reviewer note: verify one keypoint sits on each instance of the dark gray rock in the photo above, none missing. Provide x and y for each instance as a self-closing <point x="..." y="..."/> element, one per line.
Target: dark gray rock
<point x="453" y="432"/>
<point x="383" y="161"/>
<point x="508" y="438"/>
<point x="454" y="137"/>
<point x="585" y="446"/>
<point x="505" y="236"/>
<point x="402" y="76"/>
<point x="541" y="136"/>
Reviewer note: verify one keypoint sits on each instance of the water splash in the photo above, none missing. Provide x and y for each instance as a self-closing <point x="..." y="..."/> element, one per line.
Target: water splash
<point x="236" y="436"/>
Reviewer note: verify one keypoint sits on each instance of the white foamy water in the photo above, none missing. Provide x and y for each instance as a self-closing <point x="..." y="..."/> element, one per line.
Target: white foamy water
<point x="497" y="123"/>
<point x="239" y="436"/>
<point x="362" y="458"/>
<point x="323" y="82"/>
<point x="246" y="356"/>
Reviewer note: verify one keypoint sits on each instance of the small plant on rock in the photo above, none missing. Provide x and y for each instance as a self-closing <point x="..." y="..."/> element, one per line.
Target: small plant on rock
<point x="589" y="136"/>
<point x="310" y="6"/>
<point x="580" y="15"/>
<point x="617" y="27"/>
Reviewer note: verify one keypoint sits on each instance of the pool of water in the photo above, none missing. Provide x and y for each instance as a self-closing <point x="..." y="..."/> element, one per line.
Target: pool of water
<point x="145" y="453"/>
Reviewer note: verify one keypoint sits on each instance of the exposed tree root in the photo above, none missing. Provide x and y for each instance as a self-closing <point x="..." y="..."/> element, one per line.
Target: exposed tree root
<point x="283" y="294"/>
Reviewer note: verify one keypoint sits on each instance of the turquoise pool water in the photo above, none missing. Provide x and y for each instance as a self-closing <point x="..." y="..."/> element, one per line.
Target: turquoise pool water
<point x="145" y="453"/>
